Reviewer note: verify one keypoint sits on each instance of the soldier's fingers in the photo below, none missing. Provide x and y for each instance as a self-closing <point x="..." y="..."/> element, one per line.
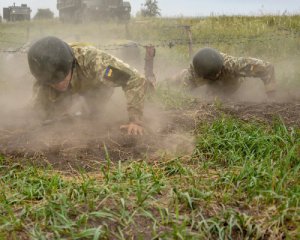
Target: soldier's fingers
<point x="135" y="130"/>
<point x="132" y="130"/>
<point x="138" y="131"/>
<point x="125" y="128"/>
<point x="129" y="130"/>
<point x="141" y="131"/>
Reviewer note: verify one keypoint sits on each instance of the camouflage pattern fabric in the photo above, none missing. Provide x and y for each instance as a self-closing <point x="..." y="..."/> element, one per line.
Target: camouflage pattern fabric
<point x="234" y="70"/>
<point x="95" y="75"/>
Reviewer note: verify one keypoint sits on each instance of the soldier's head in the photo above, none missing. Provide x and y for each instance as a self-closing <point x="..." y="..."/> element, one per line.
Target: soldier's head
<point x="208" y="63"/>
<point x="51" y="61"/>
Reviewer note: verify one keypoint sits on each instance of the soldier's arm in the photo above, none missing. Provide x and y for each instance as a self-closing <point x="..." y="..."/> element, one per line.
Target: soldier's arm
<point x="177" y="80"/>
<point x="48" y="103"/>
<point x="252" y="67"/>
<point x="185" y="79"/>
<point x="41" y="102"/>
<point x="116" y="73"/>
<point x="133" y="85"/>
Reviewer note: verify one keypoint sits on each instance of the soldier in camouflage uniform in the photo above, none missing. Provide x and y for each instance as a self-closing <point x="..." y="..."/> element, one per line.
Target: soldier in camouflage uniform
<point x="224" y="73"/>
<point x="62" y="70"/>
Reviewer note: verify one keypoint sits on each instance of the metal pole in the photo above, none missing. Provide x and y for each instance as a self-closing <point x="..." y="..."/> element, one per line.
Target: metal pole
<point x="149" y="65"/>
<point x="190" y="43"/>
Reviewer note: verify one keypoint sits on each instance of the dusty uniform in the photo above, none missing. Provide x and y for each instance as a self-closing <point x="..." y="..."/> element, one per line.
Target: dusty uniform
<point x="233" y="73"/>
<point x="94" y="76"/>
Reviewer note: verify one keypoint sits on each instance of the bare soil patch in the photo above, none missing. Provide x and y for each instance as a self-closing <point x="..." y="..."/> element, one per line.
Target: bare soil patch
<point x="84" y="144"/>
<point x="288" y="112"/>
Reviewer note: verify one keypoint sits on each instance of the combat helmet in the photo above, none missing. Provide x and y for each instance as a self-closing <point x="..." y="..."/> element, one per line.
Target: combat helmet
<point x="50" y="60"/>
<point x="207" y="63"/>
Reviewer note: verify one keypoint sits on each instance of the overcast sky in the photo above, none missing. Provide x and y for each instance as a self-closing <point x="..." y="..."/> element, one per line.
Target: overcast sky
<point x="190" y="7"/>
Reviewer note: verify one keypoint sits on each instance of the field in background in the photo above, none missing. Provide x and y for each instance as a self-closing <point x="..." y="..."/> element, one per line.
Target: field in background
<point x="208" y="171"/>
<point x="273" y="38"/>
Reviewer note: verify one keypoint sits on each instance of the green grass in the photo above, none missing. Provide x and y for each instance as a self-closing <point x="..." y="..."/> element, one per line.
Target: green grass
<point x="242" y="182"/>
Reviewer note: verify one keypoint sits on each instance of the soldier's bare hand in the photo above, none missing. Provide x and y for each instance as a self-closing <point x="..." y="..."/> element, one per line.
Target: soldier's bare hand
<point x="133" y="129"/>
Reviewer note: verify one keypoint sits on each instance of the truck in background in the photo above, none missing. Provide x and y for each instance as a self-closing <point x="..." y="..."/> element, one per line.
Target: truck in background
<point x="92" y="10"/>
<point x="17" y="13"/>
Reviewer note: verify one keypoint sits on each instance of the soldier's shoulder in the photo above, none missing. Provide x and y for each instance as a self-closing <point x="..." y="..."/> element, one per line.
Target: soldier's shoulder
<point x="83" y="48"/>
<point x="231" y="62"/>
<point x="80" y="44"/>
<point x="85" y="51"/>
<point x="228" y="57"/>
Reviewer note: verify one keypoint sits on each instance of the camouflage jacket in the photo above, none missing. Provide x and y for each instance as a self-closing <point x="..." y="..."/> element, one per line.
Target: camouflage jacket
<point x="234" y="70"/>
<point x="96" y="71"/>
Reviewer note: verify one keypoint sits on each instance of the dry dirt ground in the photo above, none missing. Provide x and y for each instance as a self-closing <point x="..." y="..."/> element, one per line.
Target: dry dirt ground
<point x="84" y="144"/>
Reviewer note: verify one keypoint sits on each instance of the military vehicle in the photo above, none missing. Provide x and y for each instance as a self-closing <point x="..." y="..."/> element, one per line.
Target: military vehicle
<point x="17" y="13"/>
<point x="44" y="13"/>
<point x="88" y="10"/>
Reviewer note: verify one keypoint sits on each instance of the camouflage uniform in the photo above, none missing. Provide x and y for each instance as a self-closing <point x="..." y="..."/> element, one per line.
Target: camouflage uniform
<point x="94" y="75"/>
<point x="233" y="73"/>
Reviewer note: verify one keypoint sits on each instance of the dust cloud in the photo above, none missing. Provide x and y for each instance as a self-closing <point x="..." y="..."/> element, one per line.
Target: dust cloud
<point x="16" y="84"/>
<point x="81" y="139"/>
